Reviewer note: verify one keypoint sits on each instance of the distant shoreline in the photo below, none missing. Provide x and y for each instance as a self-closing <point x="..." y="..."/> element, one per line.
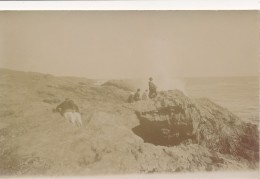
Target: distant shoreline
<point x="118" y="78"/>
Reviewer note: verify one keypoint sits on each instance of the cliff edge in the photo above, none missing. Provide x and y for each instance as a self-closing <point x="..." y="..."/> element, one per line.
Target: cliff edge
<point x="171" y="133"/>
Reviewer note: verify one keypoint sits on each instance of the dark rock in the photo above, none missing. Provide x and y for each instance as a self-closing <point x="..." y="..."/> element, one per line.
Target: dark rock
<point x="172" y="118"/>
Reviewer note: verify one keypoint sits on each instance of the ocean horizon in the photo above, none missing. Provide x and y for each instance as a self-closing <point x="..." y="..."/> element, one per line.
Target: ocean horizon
<point x="238" y="94"/>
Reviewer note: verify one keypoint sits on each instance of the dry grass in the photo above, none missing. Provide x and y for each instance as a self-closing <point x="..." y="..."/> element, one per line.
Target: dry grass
<point x="36" y="141"/>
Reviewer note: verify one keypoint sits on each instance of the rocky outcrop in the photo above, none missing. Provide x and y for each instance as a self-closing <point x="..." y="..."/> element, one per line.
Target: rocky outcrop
<point x="127" y="84"/>
<point x="172" y="118"/>
<point x="171" y="133"/>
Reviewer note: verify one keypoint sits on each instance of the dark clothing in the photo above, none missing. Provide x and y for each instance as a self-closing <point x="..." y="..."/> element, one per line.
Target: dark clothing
<point x="137" y="96"/>
<point x="152" y="94"/>
<point x="152" y="90"/>
<point x="130" y="98"/>
<point x="67" y="106"/>
<point x="152" y="86"/>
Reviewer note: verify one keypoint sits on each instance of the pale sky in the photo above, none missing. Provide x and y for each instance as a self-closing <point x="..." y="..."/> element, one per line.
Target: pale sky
<point x="130" y="44"/>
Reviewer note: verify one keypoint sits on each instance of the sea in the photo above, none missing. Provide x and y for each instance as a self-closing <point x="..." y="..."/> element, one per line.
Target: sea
<point x="238" y="94"/>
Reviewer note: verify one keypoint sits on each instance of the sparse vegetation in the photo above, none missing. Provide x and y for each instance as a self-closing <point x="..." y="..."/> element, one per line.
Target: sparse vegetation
<point x="52" y="101"/>
<point x="37" y="141"/>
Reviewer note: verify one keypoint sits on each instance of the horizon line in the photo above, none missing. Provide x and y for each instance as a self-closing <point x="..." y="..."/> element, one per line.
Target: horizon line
<point x="76" y="76"/>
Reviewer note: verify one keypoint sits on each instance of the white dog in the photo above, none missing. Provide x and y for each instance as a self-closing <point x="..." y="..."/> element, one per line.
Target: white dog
<point x="74" y="118"/>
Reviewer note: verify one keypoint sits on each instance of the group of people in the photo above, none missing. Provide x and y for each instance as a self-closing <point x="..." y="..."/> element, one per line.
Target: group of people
<point x="70" y="111"/>
<point x="137" y="95"/>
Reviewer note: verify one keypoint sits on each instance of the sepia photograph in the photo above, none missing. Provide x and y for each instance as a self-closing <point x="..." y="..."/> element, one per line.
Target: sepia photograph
<point x="101" y="93"/>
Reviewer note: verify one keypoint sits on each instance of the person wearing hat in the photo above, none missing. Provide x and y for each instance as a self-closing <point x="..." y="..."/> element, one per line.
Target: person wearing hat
<point x="152" y="89"/>
<point x="137" y="96"/>
<point x="70" y="111"/>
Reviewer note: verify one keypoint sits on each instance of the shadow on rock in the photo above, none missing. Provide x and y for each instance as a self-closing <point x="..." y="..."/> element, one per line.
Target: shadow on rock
<point x="173" y="118"/>
<point x="164" y="133"/>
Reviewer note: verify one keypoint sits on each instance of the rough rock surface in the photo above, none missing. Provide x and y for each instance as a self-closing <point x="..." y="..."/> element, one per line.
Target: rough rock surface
<point x="172" y="118"/>
<point x="192" y="135"/>
<point x="127" y="84"/>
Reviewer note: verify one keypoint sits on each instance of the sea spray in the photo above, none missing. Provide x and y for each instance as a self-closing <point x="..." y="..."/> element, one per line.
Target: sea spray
<point x="165" y="84"/>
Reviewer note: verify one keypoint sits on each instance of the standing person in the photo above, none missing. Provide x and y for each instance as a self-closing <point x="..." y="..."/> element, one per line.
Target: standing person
<point x="137" y="96"/>
<point x="144" y="96"/>
<point x="152" y="89"/>
<point x="70" y="111"/>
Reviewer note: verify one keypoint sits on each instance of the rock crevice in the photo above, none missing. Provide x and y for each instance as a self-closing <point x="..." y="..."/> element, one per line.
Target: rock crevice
<point x="172" y="118"/>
